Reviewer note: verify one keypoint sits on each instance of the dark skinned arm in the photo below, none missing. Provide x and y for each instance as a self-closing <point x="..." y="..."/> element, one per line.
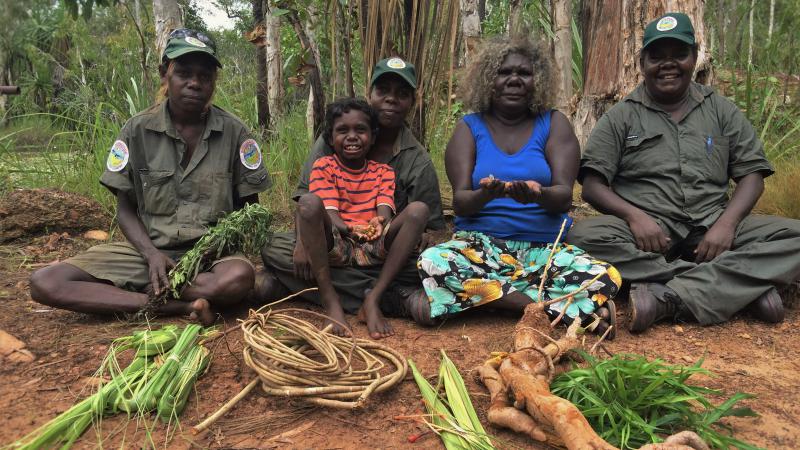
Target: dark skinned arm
<point x="459" y="161"/>
<point x="563" y="154"/>
<point x="131" y="225"/>
<point x="720" y="236"/>
<point x="239" y="203"/>
<point x="648" y="234"/>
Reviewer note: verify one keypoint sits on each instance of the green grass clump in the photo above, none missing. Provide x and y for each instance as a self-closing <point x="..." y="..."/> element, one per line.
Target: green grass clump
<point x="631" y="401"/>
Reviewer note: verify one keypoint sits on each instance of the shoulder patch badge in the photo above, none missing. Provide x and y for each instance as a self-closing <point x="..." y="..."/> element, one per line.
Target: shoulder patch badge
<point x="666" y="23"/>
<point x="118" y="157"/>
<point x="250" y="154"/>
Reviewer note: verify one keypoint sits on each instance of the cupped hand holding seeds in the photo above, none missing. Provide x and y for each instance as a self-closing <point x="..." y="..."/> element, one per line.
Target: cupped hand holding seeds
<point x="368" y="231"/>
<point x="522" y="191"/>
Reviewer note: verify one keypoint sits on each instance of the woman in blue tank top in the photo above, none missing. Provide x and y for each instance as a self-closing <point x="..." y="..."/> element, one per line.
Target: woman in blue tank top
<point x="512" y="165"/>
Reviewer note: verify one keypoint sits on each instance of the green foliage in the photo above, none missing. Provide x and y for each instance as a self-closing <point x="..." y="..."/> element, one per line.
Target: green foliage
<point x="631" y="401"/>
<point x="246" y="230"/>
<point x="163" y="370"/>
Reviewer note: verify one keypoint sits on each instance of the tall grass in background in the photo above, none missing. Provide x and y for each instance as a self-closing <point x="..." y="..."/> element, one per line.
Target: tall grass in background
<point x="772" y="107"/>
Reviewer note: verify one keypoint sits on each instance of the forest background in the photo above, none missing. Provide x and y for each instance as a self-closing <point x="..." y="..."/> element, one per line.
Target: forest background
<point x="86" y="66"/>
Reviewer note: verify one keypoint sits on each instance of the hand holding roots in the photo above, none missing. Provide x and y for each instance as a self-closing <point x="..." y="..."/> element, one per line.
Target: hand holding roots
<point x="519" y="385"/>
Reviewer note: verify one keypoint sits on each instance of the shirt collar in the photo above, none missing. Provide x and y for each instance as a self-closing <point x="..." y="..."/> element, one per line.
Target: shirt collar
<point x="697" y="93"/>
<point x="405" y="140"/>
<point x="161" y="121"/>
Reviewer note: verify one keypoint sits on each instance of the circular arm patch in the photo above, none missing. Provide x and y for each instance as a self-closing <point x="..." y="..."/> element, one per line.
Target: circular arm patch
<point x="250" y="154"/>
<point x="118" y="157"/>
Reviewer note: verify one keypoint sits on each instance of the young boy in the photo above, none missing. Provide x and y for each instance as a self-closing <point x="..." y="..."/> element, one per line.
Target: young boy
<point x="347" y="216"/>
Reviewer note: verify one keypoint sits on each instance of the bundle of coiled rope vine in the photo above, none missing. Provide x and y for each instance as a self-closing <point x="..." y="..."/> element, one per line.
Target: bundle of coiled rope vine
<point x="293" y="358"/>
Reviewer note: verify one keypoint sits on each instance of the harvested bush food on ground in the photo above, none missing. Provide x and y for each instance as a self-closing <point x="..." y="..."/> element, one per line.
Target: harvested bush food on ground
<point x="165" y="365"/>
<point x="246" y="230"/>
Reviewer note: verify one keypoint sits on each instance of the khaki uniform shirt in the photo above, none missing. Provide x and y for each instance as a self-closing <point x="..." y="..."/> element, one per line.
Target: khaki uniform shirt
<point x="676" y="172"/>
<point x="415" y="176"/>
<point x="177" y="205"/>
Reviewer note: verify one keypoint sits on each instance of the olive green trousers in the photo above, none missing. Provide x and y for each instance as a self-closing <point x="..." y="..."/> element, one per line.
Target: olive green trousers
<point x="350" y="282"/>
<point x="765" y="253"/>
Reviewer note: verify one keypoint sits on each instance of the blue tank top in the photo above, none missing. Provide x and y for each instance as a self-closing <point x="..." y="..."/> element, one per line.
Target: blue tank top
<point x="504" y="218"/>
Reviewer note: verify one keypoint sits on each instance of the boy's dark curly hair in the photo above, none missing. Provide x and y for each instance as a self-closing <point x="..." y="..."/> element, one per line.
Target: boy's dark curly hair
<point x="345" y="105"/>
<point x="477" y="87"/>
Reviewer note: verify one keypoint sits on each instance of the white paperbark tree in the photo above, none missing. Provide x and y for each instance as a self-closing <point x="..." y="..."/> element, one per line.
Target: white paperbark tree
<point x="275" y="91"/>
<point x="470" y="28"/>
<point x="167" y="17"/>
<point x="562" y="52"/>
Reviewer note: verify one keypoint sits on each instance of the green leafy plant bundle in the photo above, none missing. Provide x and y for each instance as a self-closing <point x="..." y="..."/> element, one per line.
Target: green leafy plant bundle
<point x="631" y="401"/>
<point x="246" y="230"/>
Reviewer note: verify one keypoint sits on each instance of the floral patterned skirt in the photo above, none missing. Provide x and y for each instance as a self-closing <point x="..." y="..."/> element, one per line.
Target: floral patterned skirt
<point x="473" y="269"/>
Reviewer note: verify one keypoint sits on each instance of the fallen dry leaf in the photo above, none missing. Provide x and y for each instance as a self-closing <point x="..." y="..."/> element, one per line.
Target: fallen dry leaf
<point x="9" y="344"/>
<point x="744" y="336"/>
<point x="678" y="329"/>
<point x="97" y="235"/>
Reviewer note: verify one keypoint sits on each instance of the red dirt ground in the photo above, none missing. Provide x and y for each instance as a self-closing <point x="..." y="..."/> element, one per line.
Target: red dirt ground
<point x="745" y="355"/>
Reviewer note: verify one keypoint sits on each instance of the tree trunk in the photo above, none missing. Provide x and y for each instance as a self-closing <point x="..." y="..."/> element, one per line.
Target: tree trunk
<point x="771" y="20"/>
<point x="722" y="25"/>
<point x="167" y="17"/>
<point x="275" y="90"/>
<point x="470" y="28"/>
<point x="515" y="19"/>
<point x="612" y="39"/>
<point x="562" y="53"/>
<point x="262" y="96"/>
<point x="750" y="43"/>
<point x="345" y="18"/>
<point x="316" y="111"/>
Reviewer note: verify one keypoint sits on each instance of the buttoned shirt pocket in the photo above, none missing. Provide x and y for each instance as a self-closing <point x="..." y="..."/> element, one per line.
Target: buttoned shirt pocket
<point x="717" y="154"/>
<point x="642" y="153"/>
<point x="220" y="195"/>
<point x="158" y="189"/>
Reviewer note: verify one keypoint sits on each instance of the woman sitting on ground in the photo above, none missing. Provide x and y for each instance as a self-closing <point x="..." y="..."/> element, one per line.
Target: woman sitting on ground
<point x="512" y="165"/>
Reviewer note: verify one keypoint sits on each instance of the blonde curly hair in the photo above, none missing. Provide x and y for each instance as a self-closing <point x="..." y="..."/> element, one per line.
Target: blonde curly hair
<point x="477" y="87"/>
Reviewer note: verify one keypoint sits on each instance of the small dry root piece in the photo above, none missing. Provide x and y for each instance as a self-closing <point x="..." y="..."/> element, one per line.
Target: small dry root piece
<point x="685" y="440"/>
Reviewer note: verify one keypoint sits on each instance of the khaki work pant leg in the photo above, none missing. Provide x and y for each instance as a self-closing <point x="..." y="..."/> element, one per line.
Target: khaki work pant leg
<point x="608" y="238"/>
<point x="765" y="253"/>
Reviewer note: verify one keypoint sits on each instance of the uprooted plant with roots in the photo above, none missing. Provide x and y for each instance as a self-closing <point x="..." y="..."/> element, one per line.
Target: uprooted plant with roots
<point x="519" y="385"/>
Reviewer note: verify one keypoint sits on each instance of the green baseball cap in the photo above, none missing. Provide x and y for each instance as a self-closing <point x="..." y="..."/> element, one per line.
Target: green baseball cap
<point x="183" y="41"/>
<point x="670" y="25"/>
<point x="396" y="65"/>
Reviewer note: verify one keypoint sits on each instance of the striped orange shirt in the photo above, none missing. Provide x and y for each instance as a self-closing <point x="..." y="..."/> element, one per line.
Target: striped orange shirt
<point x="355" y="194"/>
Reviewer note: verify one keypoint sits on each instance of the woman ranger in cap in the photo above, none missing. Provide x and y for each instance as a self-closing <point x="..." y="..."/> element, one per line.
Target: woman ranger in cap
<point x="392" y="95"/>
<point x="175" y="169"/>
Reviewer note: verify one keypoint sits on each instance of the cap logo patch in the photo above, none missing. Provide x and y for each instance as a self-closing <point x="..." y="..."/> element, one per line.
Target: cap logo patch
<point x="250" y="154"/>
<point x="396" y="63"/>
<point x="666" y="23"/>
<point x="117" y="157"/>
<point x="194" y="41"/>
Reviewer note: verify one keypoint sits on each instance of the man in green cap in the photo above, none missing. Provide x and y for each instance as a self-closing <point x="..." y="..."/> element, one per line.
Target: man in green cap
<point x="392" y="95"/>
<point x="658" y="164"/>
<point x="175" y="169"/>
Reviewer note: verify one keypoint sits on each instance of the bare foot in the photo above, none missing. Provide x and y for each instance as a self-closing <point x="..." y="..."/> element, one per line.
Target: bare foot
<point x="337" y="313"/>
<point x="201" y="312"/>
<point x="370" y="313"/>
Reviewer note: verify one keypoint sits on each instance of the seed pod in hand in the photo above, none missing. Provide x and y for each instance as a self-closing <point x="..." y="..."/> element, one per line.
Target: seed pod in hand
<point x="534" y="186"/>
